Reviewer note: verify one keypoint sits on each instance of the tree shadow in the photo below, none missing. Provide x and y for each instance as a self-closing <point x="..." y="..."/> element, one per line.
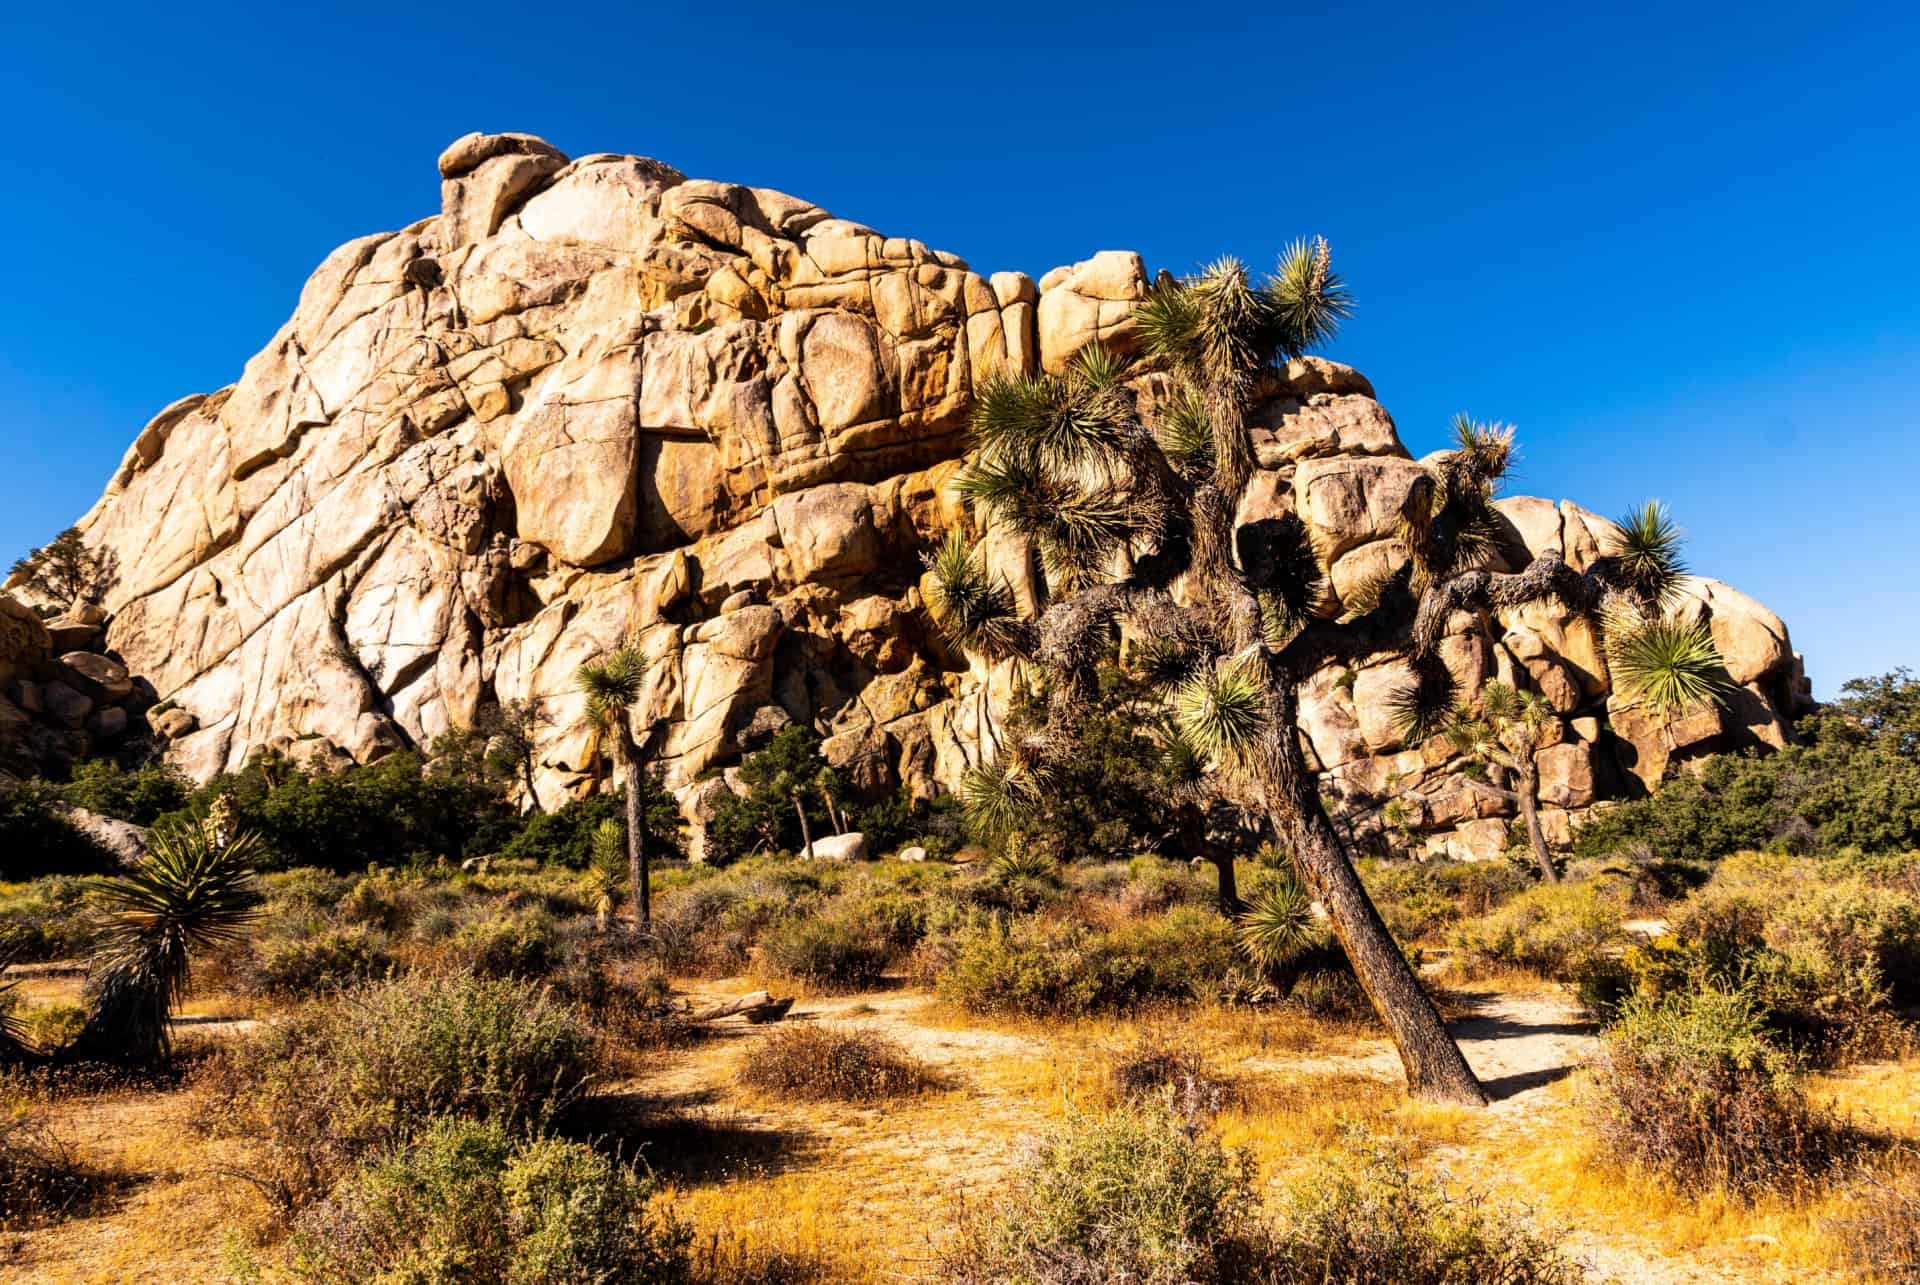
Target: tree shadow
<point x="686" y="1138"/>
<point x="1502" y="1087"/>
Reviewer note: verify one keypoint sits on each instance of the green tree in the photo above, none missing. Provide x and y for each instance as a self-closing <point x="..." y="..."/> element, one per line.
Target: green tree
<point x="66" y="572"/>
<point x="1123" y="501"/>
<point x="512" y="731"/>
<point x="613" y="686"/>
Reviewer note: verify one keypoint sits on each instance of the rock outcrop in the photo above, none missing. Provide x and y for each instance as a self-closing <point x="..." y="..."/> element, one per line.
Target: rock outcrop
<point x="593" y="399"/>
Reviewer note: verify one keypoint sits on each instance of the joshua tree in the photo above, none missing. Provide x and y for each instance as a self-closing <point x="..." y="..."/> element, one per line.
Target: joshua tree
<point x="1132" y="515"/>
<point x="612" y="686"/>
<point x="1499" y="738"/>
<point x="193" y="890"/>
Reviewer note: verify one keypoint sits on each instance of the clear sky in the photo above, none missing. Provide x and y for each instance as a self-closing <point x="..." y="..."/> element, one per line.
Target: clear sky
<point x="1678" y="246"/>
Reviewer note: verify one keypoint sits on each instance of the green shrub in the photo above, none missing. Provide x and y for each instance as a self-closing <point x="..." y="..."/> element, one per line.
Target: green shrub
<point x="36" y="840"/>
<point x="1130" y="1195"/>
<point x="1066" y="969"/>
<point x="1363" y="1215"/>
<point x="846" y="1063"/>
<point x="309" y="965"/>
<point x="469" y="1202"/>
<point x="1420" y="899"/>
<point x="141" y="796"/>
<point x="507" y="944"/>
<point x="1555" y="929"/>
<point x="52" y="1026"/>
<point x="360" y="1072"/>
<point x="564" y="837"/>
<point x="1691" y="1085"/>
<point x="45" y="920"/>
<point x="829" y="952"/>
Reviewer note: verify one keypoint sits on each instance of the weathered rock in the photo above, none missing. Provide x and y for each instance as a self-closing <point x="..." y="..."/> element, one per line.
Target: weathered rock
<point x="124" y="841"/>
<point x="1566" y="774"/>
<point x="840" y="847"/>
<point x="597" y="401"/>
<point x="71" y="632"/>
<point x="914" y="853"/>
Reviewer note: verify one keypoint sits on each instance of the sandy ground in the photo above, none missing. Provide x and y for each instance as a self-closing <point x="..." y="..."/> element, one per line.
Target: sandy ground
<point x="894" y="1171"/>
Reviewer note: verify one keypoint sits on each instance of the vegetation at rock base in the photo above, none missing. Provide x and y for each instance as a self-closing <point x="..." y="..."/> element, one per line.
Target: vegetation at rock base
<point x="66" y="572"/>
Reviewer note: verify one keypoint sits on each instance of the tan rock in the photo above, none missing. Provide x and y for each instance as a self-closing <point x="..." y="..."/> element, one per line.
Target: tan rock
<point x="1347" y="501"/>
<point x="1566" y="774"/>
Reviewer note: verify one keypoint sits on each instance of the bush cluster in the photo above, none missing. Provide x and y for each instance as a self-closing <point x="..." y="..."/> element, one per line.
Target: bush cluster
<point x="844" y="1063"/>
<point x="1692" y="1086"/>
<point x="1558" y="930"/>
<point x="359" y="1074"/>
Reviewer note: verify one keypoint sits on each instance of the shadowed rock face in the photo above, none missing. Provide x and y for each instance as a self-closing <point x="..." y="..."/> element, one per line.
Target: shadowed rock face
<point x="595" y="398"/>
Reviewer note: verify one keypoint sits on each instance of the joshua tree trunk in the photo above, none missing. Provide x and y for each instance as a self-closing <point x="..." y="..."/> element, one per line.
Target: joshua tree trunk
<point x="1435" y="1067"/>
<point x="526" y="779"/>
<point x="806" y="830"/>
<point x="638" y="868"/>
<point x="1229" y="891"/>
<point x="1529" y="792"/>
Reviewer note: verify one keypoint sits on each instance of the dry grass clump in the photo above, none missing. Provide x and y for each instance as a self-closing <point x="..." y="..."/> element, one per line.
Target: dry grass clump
<point x="1883" y="1235"/>
<point x="1691" y="1086"/>
<point x="843" y="1063"/>
<point x="40" y="1180"/>
<point x="1156" y="1064"/>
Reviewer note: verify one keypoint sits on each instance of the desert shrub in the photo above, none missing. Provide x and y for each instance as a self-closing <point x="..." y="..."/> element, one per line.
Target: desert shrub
<point x="1691" y="1085"/>
<point x="1420" y="899"/>
<point x="829" y="952"/>
<point x="1332" y="994"/>
<point x="764" y="818"/>
<point x="898" y="919"/>
<point x="40" y="1181"/>
<point x="308" y="965"/>
<point x="36" y="840"/>
<point x="1155" y="884"/>
<point x="1156" y="1065"/>
<point x="1132" y="1195"/>
<point x="1362" y="1215"/>
<point x="46" y="919"/>
<point x="1065" y="969"/>
<point x="564" y="837"/>
<point x="468" y="1201"/>
<point x="303" y="888"/>
<point x="1829" y="953"/>
<point x="359" y="1072"/>
<point x="1554" y="929"/>
<point x="844" y="1063"/>
<point x="506" y="944"/>
<point x="141" y="795"/>
<point x="1883" y="1232"/>
<point x="52" y="1026"/>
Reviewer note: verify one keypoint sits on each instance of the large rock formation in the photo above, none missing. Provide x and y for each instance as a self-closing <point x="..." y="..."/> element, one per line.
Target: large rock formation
<point x="595" y="398"/>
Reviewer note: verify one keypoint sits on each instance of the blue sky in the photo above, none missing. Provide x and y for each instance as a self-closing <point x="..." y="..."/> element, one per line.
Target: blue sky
<point x="1676" y="246"/>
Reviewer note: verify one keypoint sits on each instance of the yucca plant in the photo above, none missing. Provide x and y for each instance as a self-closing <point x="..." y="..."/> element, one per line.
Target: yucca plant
<point x="14" y="1049"/>
<point x="1128" y="490"/>
<point x="606" y="869"/>
<point x="996" y="797"/>
<point x="1668" y="662"/>
<point x="1278" y="927"/>
<point x="612" y="687"/>
<point x="194" y="890"/>
<point x="1646" y="546"/>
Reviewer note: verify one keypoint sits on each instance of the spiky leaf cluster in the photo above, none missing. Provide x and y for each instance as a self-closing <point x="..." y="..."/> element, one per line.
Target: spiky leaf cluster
<point x="1668" y="662"/>
<point x="1278" y="926"/>
<point x="997" y="797"/>
<point x="1452" y="525"/>
<point x="1644" y="546"/>
<point x="1221" y="711"/>
<point x="975" y="608"/>
<point x="1216" y="327"/>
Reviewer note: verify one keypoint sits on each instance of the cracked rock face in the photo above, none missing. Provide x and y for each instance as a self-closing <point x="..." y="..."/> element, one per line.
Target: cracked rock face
<point x="595" y="398"/>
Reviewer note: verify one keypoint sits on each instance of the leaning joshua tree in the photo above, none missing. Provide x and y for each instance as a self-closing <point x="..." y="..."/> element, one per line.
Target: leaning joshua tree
<point x="1127" y="488"/>
<point x="612" y="687"/>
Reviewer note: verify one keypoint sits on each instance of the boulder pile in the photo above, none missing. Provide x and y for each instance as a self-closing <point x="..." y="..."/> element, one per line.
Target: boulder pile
<point x="593" y="399"/>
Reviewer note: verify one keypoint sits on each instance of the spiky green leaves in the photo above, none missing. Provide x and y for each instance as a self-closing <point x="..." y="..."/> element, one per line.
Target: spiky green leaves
<point x="1222" y="711"/>
<point x="1424" y="706"/>
<point x="1278" y="926"/>
<point x="607" y="870"/>
<point x="612" y="685"/>
<point x="998" y="797"/>
<point x="1185" y="432"/>
<point x="1668" y="662"/>
<point x="975" y="609"/>
<point x="1305" y="300"/>
<point x="191" y="891"/>
<point x="1487" y="449"/>
<point x="1280" y="564"/>
<point x="1645" y="548"/>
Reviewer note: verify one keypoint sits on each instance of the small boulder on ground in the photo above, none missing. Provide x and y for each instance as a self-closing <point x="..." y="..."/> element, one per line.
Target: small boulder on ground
<point x="840" y="847"/>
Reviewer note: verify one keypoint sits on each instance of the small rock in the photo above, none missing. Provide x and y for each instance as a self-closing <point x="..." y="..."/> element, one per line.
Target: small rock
<point x="736" y="600"/>
<point x="915" y="853"/>
<point x="108" y="724"/>
<point x="71" y="633"/>
<point x="66" y="705"/>
<point x="174" y="723"/>
<point x="100" y="677"/>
